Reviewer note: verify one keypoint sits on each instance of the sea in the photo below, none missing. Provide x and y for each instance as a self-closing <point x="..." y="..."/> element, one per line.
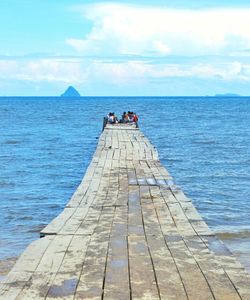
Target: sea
<point x="46" y="144"/>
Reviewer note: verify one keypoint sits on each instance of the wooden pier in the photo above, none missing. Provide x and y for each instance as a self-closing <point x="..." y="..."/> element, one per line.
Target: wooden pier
<point x="128" y="232"/>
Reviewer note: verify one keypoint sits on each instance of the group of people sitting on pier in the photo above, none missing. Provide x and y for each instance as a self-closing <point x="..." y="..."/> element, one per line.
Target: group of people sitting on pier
<point x="112" y="118"/>
<point x="127" y="117"/>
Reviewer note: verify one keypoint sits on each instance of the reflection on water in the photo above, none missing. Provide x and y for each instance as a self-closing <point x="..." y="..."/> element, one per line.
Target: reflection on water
<point x="47" y="143"/>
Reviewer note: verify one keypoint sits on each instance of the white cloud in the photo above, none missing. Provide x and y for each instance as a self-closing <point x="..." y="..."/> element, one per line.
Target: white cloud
<point x="50" y="70"/>
<point x="77" y="44"/>
<point x="123" y="28"/>
<point x="161" y="47"/>
<point x="125" y="73"/>
<point x="153" y="34"/>
<point x="78" y="71"/>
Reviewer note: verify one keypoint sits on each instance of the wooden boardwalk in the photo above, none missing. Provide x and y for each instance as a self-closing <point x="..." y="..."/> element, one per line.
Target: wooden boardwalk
<point x="128" y="232"/>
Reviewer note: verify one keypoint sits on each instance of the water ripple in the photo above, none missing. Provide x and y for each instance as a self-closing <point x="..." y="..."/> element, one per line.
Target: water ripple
<point x="46" y="145"/>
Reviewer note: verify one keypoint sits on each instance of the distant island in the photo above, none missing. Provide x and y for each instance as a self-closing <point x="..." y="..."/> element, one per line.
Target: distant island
<point x="227" y="95"/>
<point x="71" y="92"/>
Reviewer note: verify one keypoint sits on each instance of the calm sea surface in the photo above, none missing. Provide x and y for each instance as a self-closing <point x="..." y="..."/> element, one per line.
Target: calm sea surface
<point x="46" y="145"/>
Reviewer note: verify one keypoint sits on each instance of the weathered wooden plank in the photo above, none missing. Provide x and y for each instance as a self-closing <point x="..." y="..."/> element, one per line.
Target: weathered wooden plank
<point x="128" y="232"/>
<point x="234" y="270"/>
<point x="120" y="221"/>
<point x="180" y="219"/>
<point x="66" y="280"/>
<point x="14" y="284"/>
<point x="116" y="284"/>
<point x="42" y="278"/>
<point x="142" y="276"/>
<point x="90" y="285"/>
<point x="168" y="277"/>
<point x="135" y="223"/>
<point x="57" y="224"/>
<point x="218" y="280"/>
<point x="194" y="281"/>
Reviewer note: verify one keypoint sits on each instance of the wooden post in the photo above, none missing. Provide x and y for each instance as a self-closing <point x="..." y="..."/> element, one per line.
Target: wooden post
<point x="105" y="121"/>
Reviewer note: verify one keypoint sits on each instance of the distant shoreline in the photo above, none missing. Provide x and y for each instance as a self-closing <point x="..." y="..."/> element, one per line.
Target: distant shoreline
<point x="76" y="98"/>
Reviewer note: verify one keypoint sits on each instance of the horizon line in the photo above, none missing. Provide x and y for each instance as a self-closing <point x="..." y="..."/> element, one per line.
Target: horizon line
<point x="131" y="96"/>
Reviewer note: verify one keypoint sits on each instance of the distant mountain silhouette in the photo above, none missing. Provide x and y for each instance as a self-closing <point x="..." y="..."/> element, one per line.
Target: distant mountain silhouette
<point x="71" y="92"/>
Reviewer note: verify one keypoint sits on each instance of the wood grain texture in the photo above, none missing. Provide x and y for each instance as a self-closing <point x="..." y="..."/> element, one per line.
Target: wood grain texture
<point x="128" y="232"/>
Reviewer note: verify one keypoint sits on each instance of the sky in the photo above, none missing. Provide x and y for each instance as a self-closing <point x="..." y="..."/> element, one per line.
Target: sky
<point x="124" y="48"/>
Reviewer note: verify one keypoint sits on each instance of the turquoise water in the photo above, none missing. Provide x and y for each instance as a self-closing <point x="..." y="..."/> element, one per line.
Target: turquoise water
<point x="47" y="143"/>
